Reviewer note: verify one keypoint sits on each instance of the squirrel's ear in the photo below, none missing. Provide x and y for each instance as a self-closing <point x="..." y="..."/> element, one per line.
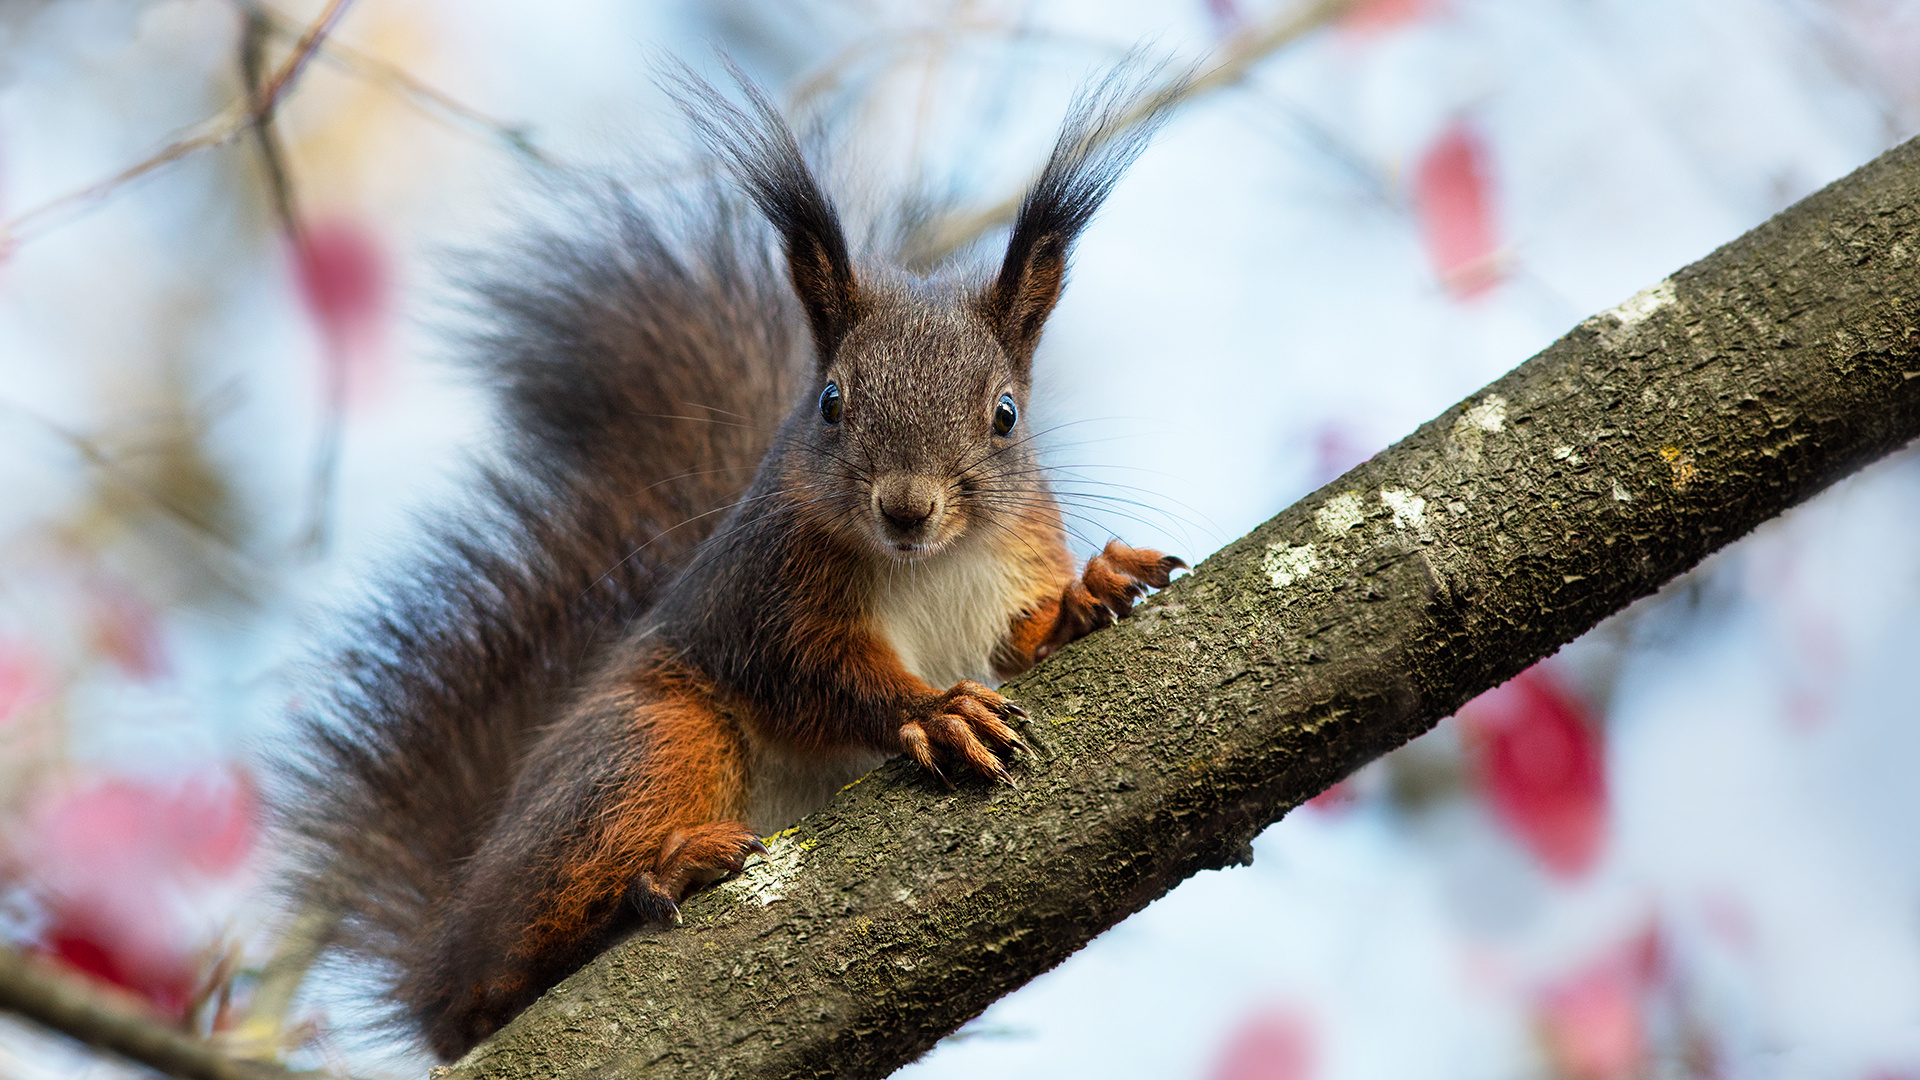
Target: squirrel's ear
<point x="1109" y="125"/>
<point x="761" y="152"/>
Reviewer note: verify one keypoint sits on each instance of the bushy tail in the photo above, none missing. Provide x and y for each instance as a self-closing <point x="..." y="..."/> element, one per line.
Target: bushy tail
<point x="643" y="360"/>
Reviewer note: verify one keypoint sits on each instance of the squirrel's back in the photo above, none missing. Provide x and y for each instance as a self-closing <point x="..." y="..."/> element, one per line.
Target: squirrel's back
<point x="643" y="359"/>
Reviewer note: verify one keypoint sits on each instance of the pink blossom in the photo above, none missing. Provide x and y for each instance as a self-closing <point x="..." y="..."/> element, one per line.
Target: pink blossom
<point x="1380" y="16"/>
<point x="126" y="629"/>
<point x="1335" y="799"/>
<point x="23" y="679"/>
<point x="1592" y="1026"/>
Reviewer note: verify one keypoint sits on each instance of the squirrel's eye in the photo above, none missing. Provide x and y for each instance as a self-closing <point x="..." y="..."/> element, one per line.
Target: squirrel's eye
<point x="830" y="407"/>
<point x="1004" y="415"/>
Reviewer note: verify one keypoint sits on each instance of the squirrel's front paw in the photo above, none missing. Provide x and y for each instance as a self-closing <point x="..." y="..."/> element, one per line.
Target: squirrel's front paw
<point x="690" y="860"/>
<point x="967" y="724"/>
<point x="1112" y="581"/>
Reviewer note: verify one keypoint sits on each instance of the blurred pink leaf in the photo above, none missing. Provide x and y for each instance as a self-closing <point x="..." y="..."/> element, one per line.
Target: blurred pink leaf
<point x="115" y="862"/>
<point x="341" y="269"/>
<point x="168" y="987"/>
<point x="1540" y="765"/>
<point x="1453" y="197"/>
<point x="1592" y="1026"/>
<point x="1274" y="1044"/>
<point x="1380" y="16"/>
<point x="1592" y="1020"/>
<point x="23" y="679"/>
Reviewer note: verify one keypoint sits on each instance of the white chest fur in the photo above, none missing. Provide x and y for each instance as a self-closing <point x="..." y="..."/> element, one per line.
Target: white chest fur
<point x="945" y="615"/>
<point x="788" y="785"/>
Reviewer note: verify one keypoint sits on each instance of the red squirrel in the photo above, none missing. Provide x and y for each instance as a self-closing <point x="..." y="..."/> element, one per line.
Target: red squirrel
<point x="684" y="610"/>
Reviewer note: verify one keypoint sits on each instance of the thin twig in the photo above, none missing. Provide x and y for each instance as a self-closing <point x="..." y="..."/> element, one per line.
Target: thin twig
<point x="93" y="454"/>
<point x="430" y="100"/>
<point x="217" y="130"/>
<point x="253" y="43"/>
<point x="303" y="51"/>
<point x="73" y="1008"/>
<point x="1237" y="59"/>
<point x="263" y="1026"/>
<point x="286" y="207"/>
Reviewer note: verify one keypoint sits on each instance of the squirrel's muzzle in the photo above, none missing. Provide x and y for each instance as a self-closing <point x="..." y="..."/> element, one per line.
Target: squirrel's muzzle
<point x="909" y="507"/>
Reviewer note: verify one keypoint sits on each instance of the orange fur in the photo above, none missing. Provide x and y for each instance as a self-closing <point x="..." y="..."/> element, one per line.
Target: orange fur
<point x="1105" y="591"/>
<point x="673" y="824"/>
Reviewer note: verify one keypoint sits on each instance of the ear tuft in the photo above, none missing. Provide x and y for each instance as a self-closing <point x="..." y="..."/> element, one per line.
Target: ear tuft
<point x="1110" y="123"/>
<point x="760" y="151"/>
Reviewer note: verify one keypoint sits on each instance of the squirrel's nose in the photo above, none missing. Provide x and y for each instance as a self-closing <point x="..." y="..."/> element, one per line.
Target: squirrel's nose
<point x="906" y="502"/>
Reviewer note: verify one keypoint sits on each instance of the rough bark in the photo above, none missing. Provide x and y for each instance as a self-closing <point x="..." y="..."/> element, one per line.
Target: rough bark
<point x="1644" y="439"/>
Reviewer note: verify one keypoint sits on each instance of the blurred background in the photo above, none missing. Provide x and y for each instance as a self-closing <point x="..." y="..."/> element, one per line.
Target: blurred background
<point x="1685" y="847"/>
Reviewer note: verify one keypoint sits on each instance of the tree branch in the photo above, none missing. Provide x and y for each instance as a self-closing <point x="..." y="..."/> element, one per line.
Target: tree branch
<point x="71" y="1007"/>
<point x="217" y="130"/>
<point x="433" y="102"/>
<point x="1649" y="436"/>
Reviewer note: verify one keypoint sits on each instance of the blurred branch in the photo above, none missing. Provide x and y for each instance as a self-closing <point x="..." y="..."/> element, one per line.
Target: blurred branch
<point x="74" y="1008"/>
<point x="92" y="453"/>
<point x="264" y="1023"/>
<point x="828" y="74"/>
<point x="303" y="50"/>
<point x="1241" y="52"/>
<point x="253" y="41"/>
<point x="433" y="102"/>
<point x="240" y="571"/>
<point x="217" y="130"/>
<point x="273" y="161"/>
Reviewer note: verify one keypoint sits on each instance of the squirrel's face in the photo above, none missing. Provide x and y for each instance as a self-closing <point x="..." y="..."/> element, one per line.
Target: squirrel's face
<point x="919" y="425"/>
<point x="916" y="440"/>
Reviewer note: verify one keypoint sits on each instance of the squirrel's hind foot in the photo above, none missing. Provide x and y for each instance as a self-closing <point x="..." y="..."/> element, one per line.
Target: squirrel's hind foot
<point x="691" y="860"/>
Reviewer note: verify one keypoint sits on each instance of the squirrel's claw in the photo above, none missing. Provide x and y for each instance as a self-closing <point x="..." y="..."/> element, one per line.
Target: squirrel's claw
<point x="967" y="724"/>
<point x="1106" y="590"/>
<point x="689" y="860"/>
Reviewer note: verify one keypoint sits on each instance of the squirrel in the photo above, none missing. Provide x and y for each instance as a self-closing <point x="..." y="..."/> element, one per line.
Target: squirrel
<point x="684" y="611"/>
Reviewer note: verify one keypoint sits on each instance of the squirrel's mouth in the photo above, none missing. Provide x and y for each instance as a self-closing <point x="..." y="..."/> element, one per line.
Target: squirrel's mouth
<point x="924" y="543"/>
<point x="915" y="550"/>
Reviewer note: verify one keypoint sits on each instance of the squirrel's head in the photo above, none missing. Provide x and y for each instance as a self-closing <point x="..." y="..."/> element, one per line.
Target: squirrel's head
<point x="914" y="431"/>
